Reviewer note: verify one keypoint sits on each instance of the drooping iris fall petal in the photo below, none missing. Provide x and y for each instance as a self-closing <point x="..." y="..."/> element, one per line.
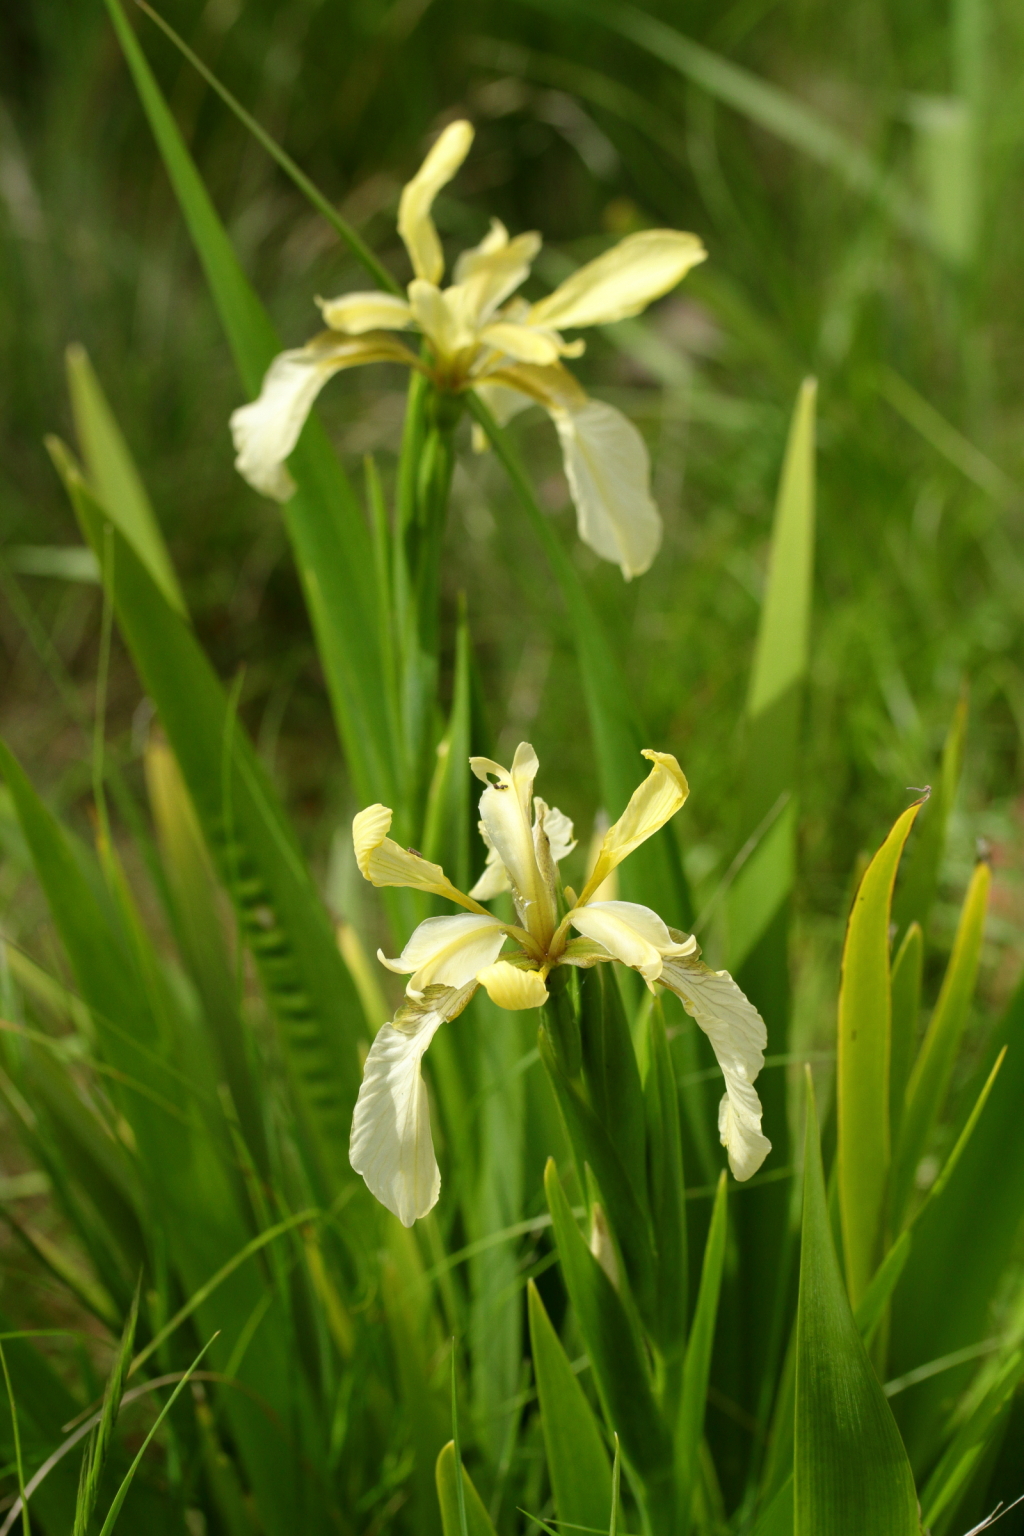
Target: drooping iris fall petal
<point x="391" y="1145"/>
<point x="448" y="951"/>
<point x="632" y="933"/>
<point x="738" y="1037"/>
<point x="266" y="430"/>
<point x="609" y="475"/>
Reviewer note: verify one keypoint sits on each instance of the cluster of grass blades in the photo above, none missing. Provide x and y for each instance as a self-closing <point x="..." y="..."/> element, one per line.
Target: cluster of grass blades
<point x="803" y="1354"/>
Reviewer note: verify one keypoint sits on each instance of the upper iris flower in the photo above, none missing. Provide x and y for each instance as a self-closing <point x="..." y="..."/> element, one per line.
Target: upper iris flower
<point x="447" y="958"/>
<point x="479" y="337"/>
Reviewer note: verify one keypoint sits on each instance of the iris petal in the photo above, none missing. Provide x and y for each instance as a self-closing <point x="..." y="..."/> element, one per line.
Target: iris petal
<point x="391" y="1145"/>
<point x="738" y="1037"/>
<point x="623" y="281"/>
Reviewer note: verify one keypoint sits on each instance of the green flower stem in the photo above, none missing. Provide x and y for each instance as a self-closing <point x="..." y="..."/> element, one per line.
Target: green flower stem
<point x="562" y="1024"/>
<point x="424" y="485"/>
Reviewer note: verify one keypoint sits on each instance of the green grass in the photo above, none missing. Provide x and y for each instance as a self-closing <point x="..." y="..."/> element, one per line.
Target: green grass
<point x="855" y="173"/>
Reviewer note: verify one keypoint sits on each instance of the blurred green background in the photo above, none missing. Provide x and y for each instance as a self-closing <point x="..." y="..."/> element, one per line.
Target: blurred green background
<point x="862" y="220"/>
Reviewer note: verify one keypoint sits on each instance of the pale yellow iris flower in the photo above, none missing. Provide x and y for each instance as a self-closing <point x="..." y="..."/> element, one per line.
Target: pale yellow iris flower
<point x="447" y="958"/>
<point x="481" y="338"/>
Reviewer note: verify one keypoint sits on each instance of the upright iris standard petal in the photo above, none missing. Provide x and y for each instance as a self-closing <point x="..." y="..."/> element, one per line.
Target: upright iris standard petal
<point x="609" y="475"/>
<point x="448" y="951"/>
<point x="623" y="281"/>
<point x="657" y="799"/>
<point x="557" y="828"/>
<point x="415" y="225"/>
<point x="738" y="1038"/>
<point x="266" y="431"/>
<point x="488" y="274"/>
<point x="494" y="879"/>
<point x="505" y="809"/>
<point x="632" y="933"/>
<point x="391" y="1145"/>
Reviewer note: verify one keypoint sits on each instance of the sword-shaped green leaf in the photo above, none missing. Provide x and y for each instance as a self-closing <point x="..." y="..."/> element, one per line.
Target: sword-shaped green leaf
<point x="613" y="1344"/>
<point x="862" y="1078"/>
<point x="697" y="1367"/>
<point x="775" y="696"/>
<point x="581" y="1478"/>
<point x="282" y="917"/>
<point x="907" y="971"/>
<point x="330" y="537"/>
<point x="468" y="1517"/>
<point x="851" y="1473"/>
<point x="117" y="481"/>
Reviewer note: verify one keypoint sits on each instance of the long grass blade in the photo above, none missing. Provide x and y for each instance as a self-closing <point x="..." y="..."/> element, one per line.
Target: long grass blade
<point x="17" y="1443"/>
<point x="351" y="237"/>
<point x="697" y="1367"/>
<point x="122" y="1492"/>
<point x="95" y="1457"/>
<point x="330" y="536"/>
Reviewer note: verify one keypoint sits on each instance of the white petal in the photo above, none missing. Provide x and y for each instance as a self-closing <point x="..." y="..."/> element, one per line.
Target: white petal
<point x="503" y="403"/>
<point x="415" y="225"/>
<point x="391" y="1145"/>
<point x="738" y="1037"/>
<point x="355" y="313"/>
<point x="505" y="809"/>
<point x="623" y="281"/>
<point x="609" y="474"/>
<point x="266" y="431"/>
<point x="494" y="879"/>
<point x="560" y="834"/>
<point x="485" y="278"/>
<point x="448" y="951"/>
<point x="632" y="933"/>
<point x="496" y="239"/>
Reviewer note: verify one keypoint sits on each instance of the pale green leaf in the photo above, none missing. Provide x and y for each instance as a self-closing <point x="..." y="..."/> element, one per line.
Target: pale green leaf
<point x="862" y="1081"/>
<point x="851" y="1473"/>
<point x="465" y="1517"/>
<point x="115" y="479"/>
